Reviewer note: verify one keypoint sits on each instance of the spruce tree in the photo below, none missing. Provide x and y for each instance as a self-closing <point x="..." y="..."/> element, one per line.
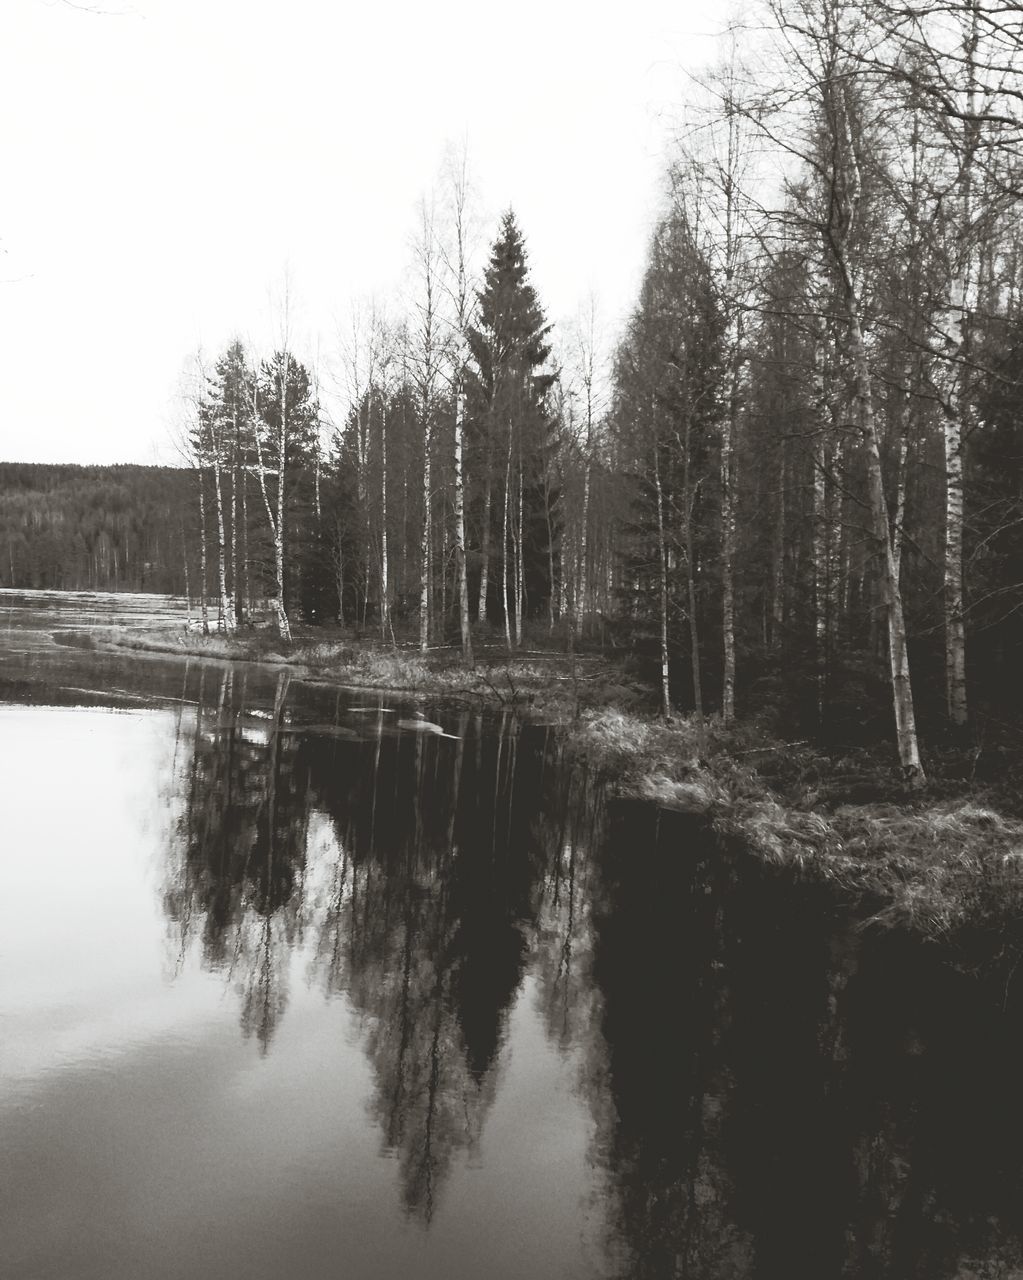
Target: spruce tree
<point x="514" y="440"/>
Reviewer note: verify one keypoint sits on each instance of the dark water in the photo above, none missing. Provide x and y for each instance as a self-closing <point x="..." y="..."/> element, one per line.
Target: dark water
<point x="289" y="990"/>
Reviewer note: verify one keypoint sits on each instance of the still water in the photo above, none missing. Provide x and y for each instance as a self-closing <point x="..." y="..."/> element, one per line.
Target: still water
<point x="292" y="987"/>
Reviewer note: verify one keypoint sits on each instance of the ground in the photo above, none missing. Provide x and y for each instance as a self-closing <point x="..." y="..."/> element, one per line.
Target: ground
<point x="938" y="860"/>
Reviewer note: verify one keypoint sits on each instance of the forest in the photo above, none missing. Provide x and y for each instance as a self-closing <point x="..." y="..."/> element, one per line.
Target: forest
<point x="792" y="486"/>
<point x="90" y="528"/>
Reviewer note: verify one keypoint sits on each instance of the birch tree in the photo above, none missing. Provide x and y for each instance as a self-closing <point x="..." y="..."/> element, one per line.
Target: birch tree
<point x="816" y="35"/>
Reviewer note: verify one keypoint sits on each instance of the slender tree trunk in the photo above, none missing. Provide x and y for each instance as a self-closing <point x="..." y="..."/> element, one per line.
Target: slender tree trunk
<point x="184" y="564"/>
<point x="441" y="583"/>
<point x="957" y="343"/>
<point x="728" y="545"/>
<point x="283" y="625"/>
<point x="900" y="506"/>
<point x="485" y="542"/>
<point x="203" y="583"/>
<point x="505" y="594"/>
<point x="820" y="571"/>
<point x="662" y="553"/>
<point x="235" y="474"/>
<point x="520" y="572"/>
<point x="581" y="601"/>
<point x="902" y="693"/>
<point x="778" y="558"/>
<point x="460" y="566"/>
<point x="385" y="598"/>
<point x="955" y="627"/>
<point x="425" y="543"/>
<point x="246" y="562"/>
<point x="847" y="190"/>
<point x="225" y="620"/>
<point x="820" y="528"/>
<point x="694" y="625"/>
<point x="275" y="522"/>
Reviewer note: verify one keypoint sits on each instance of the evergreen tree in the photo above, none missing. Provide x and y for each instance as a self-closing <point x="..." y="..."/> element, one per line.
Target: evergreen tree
<point x="513" y="433"/>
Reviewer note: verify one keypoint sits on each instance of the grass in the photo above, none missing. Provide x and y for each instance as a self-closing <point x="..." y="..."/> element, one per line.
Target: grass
<point x="935" y="862"/>
<point x="546" y="683"/>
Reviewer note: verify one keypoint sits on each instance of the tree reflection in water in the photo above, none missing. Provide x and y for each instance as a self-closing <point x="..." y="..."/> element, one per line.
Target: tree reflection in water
<point x="418" y="913"/>
<point x="782" y="1094"/>
<point x="772" y="1091"/>
<point x="242" y="850"/>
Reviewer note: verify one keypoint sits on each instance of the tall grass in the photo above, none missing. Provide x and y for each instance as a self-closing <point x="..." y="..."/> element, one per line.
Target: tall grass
<point x="934" y="864"/>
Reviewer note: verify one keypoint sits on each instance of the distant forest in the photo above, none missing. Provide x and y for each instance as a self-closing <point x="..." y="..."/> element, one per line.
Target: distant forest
<point x="792" y="485"/>
<point x="78" y="528"/>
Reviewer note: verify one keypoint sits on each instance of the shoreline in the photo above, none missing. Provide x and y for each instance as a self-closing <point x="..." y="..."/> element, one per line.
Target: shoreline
<point x="936" y="863"/>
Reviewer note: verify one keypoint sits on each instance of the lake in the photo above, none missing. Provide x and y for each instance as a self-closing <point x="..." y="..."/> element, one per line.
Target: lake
<point x="291" y="985"/>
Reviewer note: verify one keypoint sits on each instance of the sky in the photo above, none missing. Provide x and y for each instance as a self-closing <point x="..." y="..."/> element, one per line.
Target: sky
<point x="166" y="164"/>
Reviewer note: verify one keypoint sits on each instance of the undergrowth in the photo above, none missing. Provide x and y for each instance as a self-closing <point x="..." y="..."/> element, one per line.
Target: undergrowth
<point x="934" y="862"/>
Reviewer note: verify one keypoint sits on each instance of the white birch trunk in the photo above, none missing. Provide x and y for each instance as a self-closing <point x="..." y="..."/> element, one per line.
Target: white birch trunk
<point x="581" y="600"/>
<point x="460" y="566"/>
<point x="520" y="572"/>
<point x="385" y="598"/>
<point x="504" y="547"/>
<point x="425" y="545"/>
<point x="662" y="552"/>
<point x="225" y="621"/>
<point x="485" y="545"/>
<point x="203" y="584"/>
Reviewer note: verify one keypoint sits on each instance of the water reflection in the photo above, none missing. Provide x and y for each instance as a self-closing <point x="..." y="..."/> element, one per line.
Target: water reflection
<point x="788" y="1096"/>
<point x="415" y="904"/>
<point x="772" y="1090"/>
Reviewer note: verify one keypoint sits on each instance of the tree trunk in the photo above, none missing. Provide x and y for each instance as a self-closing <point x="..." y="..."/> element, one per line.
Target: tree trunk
<point x="778" y="558"/>
<point x="203" y="584"/>
<point x="425" y="543"/>
<point x="955" y="628"/>
<point x="504" y="546"/>
<point x="580" y="604"/>
<point x="662" y="552"/>
<point x="236" y="589"/>
<point x="728" y="544"/>
<point x="898" y="656"/>
<point x="385" y="599"/>
<point x="460" y="567"/>
<point x="520" y="572"/>
<point x="694" y="626"/>
<point x="485" y="543"/>
<point x="245" y="543"/>
<point x="847" y="190"/>
<point x="276" y="522"/>
<point x="283" y="625"/>
<point x="820" y="569"/>
<point x="225" y="620"/>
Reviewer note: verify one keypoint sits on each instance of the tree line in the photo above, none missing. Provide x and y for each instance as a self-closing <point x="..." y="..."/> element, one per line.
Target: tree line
<point x="795" y="481"/>
<point x="96" y="528"/>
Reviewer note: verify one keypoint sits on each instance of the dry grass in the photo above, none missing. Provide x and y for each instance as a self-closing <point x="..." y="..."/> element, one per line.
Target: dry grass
<point x="933" y="864"/>
<point x="260" y="647"/>
<point x="927" y="864"/>
<point x="550" y="683"/>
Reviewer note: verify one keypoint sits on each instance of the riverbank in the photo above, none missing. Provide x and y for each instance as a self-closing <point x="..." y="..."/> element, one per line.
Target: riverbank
<point x="935" y="861"/>
<point x="543" y="682"/>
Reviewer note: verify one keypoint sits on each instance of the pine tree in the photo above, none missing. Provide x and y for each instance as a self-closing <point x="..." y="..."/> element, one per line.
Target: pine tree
<point x="513" y="437"/>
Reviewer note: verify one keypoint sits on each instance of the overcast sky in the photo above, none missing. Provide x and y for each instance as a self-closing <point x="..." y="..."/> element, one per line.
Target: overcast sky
<point x="162" y="162"/>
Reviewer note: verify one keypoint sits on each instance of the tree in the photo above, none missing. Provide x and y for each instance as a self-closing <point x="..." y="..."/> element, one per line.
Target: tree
<point x="508" y="393"/>
<point x="286" y="421"/>
<point x="832" y="143"/>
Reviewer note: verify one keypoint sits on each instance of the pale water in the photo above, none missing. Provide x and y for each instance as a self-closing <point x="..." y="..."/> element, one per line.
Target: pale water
<point x="287" y="990"/>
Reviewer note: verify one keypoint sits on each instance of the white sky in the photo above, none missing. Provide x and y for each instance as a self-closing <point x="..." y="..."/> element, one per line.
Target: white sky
<point x="162" y="163"/>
